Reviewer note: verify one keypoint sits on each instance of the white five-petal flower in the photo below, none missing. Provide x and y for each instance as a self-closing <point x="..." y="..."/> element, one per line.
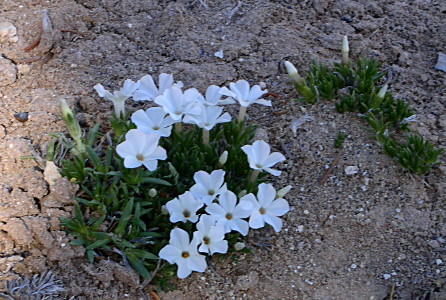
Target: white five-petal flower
<point x="118" y="97"/>
<point x="140" y="148"/>
<point x="229" y="214"/>
<point x="183" y="253"/>
<point x="210" y="236"/>
<point x="184" y="208"/>
<point x="148" y="90"/>
<point x="177" y="104"/>
<point x="208" y="118"/>
<point x="213" y="97"/>
<point x="153" y="120"/>
<point x="260" y="158"/>
<point x="265" y="208"/>
<point x="245" y="95"/>
<point x="208" y="186"/>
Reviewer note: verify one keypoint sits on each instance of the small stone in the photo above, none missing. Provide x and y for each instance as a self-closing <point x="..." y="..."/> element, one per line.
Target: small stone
<point x="8" y="72"/>
<point x="387" y="276"/>
<point x="350" y="170"/>
<point x="438" y="261"/>
<point x="300" y="228"/>
<point x="262" y="84"/>
<point x="433" y="243"/>
<point x="353" y="266"/>
<point x="441" y="62"/>
<point x="21" y="117"/>
<point x="219" y="54"/>
<point x="347" y="19"/>
<point x="8" y="32"/>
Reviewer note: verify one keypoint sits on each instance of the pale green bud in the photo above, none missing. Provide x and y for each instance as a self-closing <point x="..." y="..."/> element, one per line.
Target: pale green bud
<point x="164" y="210"/>
<point x="382" y="91"/>
<point x="282" y="192"/>
<point x="242" y="193"/>
<point x="292" y="72"/>
<point x="345" y="50"/>
<point x="223" y="158"/>
<point x="72" y="124"/>
<point x="239" y="246"/>
<point x="152" y="193"/>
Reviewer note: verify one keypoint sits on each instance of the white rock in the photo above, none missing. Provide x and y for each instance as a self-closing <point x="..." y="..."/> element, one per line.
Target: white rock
<point x="51" y="173"/>
<point x="8" y="72"/>
<point x="387" y="276"/>
<point x="438" y="261"/>
<point x="350" y="170"/>
<point x="8" y="32"/>
<point x="219" y="54"/>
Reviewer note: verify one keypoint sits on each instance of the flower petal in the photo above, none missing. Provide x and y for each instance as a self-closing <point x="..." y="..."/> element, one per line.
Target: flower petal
<point x="240" y="226"/>
<point x="255" y="93"/>
<point x="273" y="159"/>
<point x="131" y="162"/>
<point x="278" y="208"/>
<point x="273" y="221"/>
<point x="170" y="253"/>
<point x="183" y="270"/>
<point x="256" y="220"/>
<point x="219" y="247"/>
<point x="179" y="238"/>
<point x="266" y="194"/>
<point x="197" y="263"/>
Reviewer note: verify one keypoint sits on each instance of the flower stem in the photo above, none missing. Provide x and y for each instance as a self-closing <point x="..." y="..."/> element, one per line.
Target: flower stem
<point x="178" y="127"/>
<point x="205" y="136"/>
<point x="242" y="113"/>
<point x="254" y="175"/>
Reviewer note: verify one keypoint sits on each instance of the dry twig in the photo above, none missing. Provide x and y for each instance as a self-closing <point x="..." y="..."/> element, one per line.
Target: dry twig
<point x="330" y="170"/>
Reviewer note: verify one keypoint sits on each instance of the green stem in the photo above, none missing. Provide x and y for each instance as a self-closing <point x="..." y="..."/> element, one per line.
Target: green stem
<point x="178" y="127"/>
<point x="242" y="113"/>
<point x="205" y="136"/>
<point x="254" y="175"/>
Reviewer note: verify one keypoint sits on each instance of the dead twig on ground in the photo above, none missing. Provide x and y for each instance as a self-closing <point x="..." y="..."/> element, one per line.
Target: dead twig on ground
<point x="45" y="25"/>
<point x="146" y="282"/>
<point x="330" y="170"/>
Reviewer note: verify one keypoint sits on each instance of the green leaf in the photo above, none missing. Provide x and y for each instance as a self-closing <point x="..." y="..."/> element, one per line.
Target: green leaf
<point x="155" y="181"/>
<point x="142" y="254"/>
<point x="137" y="264"/>
<point x="98" y="244"/>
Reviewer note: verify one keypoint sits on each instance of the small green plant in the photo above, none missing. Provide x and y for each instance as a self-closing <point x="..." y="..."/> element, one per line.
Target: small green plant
<point x="163" y="175"/>
<point x="355" y="86"/>
<point x="339" y="140"/>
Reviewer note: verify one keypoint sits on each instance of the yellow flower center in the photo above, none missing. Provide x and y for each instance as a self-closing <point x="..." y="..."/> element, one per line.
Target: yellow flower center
<point x="259" y="166"/>
<point x="211" y="192"/>
<point x="262" y="211"/>
<point x="186" y="213"/>
<point x="185" y="254"/>
<point x="140" y="157"/>
<point x="206" y="240"/>
<point x="228" y="216"/>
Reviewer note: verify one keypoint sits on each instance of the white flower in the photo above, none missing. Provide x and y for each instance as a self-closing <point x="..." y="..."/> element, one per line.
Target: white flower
<point x="208" y="186"/>
<point x="140" y="148"/>
<point x="208" y="118"/>
<point x="213" y="97"/>
<point x="292" y="72"/>
<point x="118" y="97"/>
<point x="183" y="253"/>
<point x="266" y="208"/>
<point x="177" y="104"/>
<point x="147" y="89"/>
<point x="210" y="236"/>
<point x="228" y="214"/>
<point x="184" y="208"/>
<point x="259" y="157"/>
<point x="153" y="120"/>
<point x="245" y="95"/>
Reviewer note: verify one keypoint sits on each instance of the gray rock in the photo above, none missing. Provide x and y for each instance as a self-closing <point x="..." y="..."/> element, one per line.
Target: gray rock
<point x="441" y="62"/>
<point x="8" y="72"/>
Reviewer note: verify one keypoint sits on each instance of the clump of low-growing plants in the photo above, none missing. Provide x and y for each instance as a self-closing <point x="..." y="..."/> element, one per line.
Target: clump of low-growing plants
<point x="356" y="87"/>
<point x="176" y="182"/>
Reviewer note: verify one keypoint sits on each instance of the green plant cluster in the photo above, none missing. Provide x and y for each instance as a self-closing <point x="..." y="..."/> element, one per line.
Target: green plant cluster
<point x="117" y="213"/>
<point x="356" y="89"/>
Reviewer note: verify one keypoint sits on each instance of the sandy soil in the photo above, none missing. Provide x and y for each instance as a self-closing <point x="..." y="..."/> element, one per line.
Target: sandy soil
<point x="354" y="237"/>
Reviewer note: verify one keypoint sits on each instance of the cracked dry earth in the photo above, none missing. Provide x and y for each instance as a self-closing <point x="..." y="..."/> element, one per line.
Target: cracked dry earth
<point x="376" y="234"/>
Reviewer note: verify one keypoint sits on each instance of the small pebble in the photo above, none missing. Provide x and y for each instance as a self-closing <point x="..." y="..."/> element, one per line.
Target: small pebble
<point x="387" y="276"/>
<point x="433" y="243"/>
<point x="21" y="117"/>
<point x="350" y="170"/>
<point x="219" y="54"/>
<point x="438" y="261"/>
<point x="353" y="266"/>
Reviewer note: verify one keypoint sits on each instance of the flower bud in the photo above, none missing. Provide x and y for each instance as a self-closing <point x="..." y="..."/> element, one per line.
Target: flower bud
<point x="345" y="50"/>
<point x="292" y="72"/>
<point x="223" y="158"/>
<point x="382" y="91"/>
<point x="242" y="193"/>
<point x="239" y="246"/>
<point x="282" y="192"/>
<point x="164" y="210"/>
<point x="152" y="193"/>
<point x="72" y="124"/>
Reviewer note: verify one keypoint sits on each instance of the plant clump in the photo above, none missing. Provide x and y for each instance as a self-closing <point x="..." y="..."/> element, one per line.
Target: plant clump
<point x="176" y="182"/>
<point x="356" y="87"/>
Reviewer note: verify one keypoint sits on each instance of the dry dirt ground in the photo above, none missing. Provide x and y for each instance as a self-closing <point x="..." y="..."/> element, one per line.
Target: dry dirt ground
<point x="355" y="237"/>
